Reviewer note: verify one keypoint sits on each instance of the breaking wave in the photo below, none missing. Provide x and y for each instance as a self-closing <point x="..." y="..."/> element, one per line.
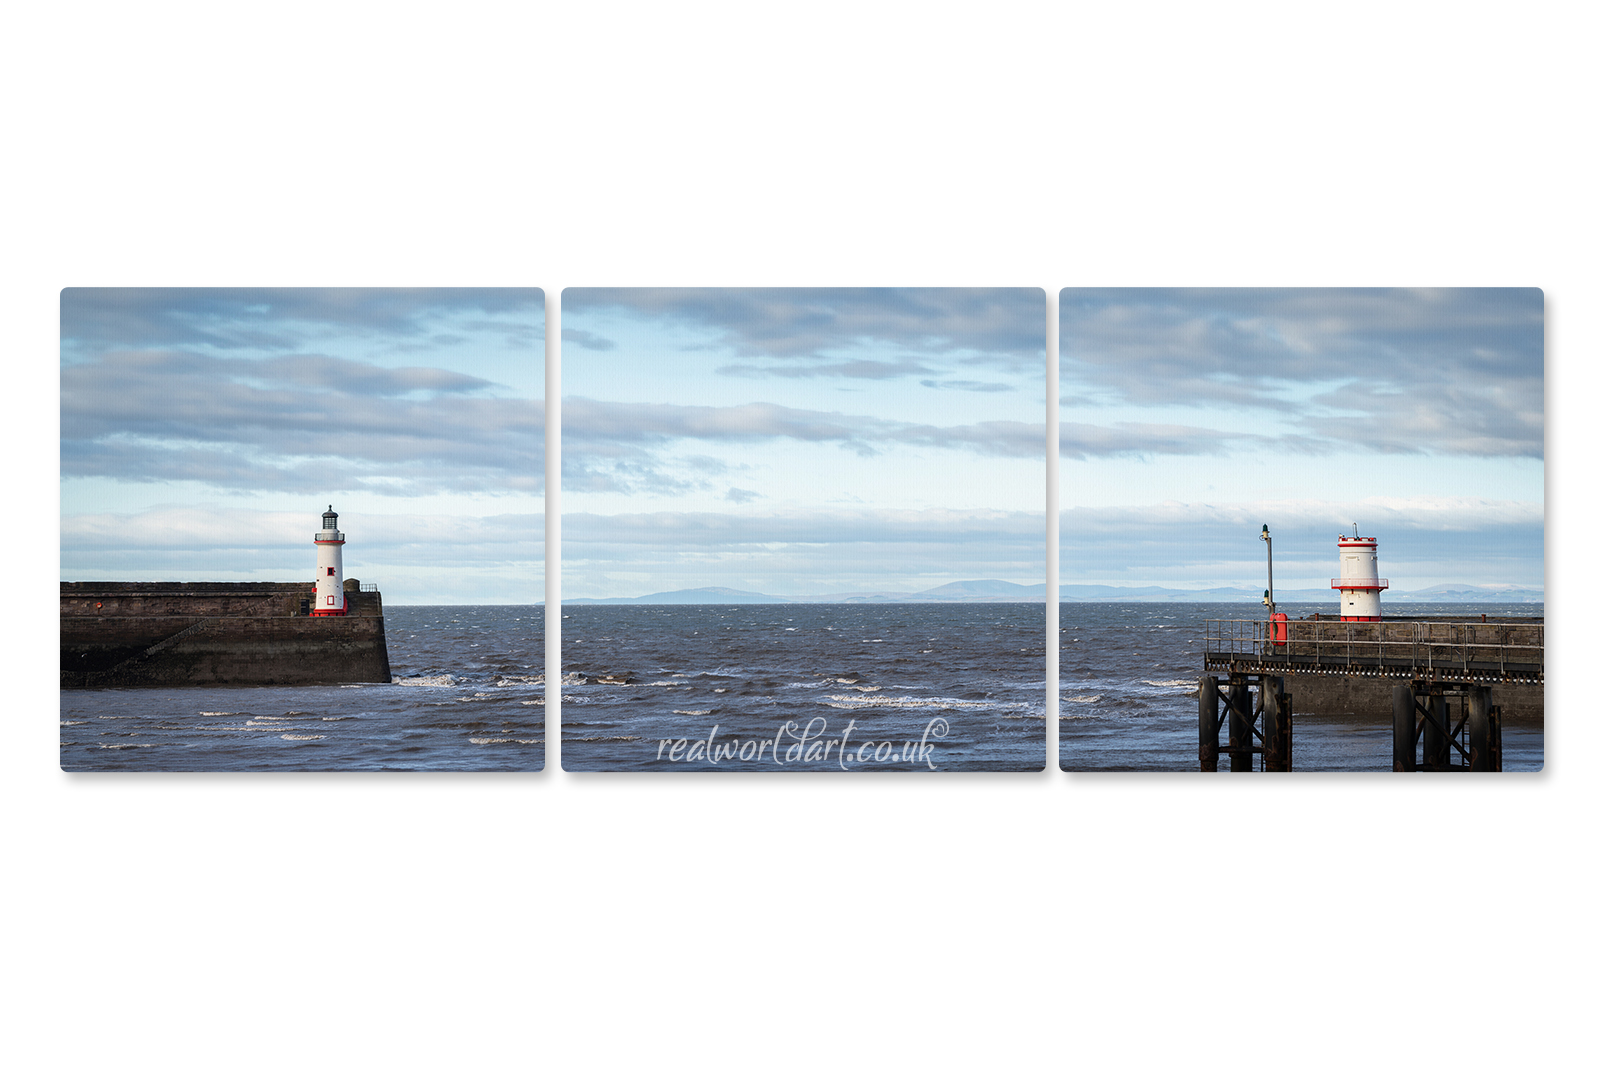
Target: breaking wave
<point x="434" y="679"/>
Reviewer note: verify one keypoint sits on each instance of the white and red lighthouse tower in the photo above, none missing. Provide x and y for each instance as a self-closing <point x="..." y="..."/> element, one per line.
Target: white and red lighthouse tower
<point x="1358" y="582"/>
<point x="330" y="567"/>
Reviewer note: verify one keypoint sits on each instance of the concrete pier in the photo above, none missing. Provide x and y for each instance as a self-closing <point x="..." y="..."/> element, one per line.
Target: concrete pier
<point x="131" y="634"/>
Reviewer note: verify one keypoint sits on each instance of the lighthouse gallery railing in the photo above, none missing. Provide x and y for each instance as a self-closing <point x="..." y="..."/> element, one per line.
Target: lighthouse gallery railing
<point x="1488" y="649"/>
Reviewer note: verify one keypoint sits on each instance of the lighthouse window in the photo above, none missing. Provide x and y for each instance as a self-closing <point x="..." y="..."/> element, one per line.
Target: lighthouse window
<point x="330" y="572"/>
<point x="330" y="601"/>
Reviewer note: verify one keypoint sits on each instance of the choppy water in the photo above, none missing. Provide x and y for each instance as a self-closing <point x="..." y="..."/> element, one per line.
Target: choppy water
<point x="865" y="687"/>
<point x="946" y="687"/>
<point x="1129" y="698"/>
<point x="468" y="696"/>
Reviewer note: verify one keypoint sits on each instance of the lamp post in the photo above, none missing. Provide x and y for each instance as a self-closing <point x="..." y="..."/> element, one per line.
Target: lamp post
<point x="1272" y="606"/>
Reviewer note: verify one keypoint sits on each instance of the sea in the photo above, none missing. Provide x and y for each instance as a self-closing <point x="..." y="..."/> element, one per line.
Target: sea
<point x="846" y="688"/>
<point x="1130" y="698"/>
<point x="467" y="695"/>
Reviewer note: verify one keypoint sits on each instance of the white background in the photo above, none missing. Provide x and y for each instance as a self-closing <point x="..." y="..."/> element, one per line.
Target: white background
<point x="558" y="917"/>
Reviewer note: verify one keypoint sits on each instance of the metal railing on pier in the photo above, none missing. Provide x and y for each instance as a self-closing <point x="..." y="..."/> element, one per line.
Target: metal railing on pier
<point x="1481" y="650"/>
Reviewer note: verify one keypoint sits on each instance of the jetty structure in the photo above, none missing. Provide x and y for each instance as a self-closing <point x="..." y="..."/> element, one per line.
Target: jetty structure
<point x="1446" y="680"/>
<point x="328" y="631"/>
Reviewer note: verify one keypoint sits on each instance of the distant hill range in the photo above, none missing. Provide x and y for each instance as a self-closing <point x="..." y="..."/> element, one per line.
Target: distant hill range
<point x="1000" y="592"/>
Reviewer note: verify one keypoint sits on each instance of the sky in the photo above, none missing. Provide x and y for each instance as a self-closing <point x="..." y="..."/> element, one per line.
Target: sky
<point x="204" y="431"/>
<point x="1190" y="418"/>
<point x="801" y="442"/>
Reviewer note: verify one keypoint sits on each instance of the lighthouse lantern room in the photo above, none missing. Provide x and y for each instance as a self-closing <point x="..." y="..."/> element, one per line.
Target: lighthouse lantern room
<point x="1358" y="582"/>
<point x="330" y="567"/>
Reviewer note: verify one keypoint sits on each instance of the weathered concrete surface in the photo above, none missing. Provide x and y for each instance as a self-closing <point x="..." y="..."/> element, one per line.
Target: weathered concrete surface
<point x="1331" y="694"/>
<point x="122" y="634"/>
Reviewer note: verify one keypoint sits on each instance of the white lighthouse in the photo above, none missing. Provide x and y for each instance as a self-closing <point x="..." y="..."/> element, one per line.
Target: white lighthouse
<point x="1358" y="582"/>
<point x="330" y="567"/>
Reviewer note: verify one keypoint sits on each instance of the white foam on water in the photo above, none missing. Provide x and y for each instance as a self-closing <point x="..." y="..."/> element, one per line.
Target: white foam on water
<point x="433" y="679"/>
<point x="336" y="718"/>
<point x="219" y="713"/>
<point x="531" y="703"/>
<point x="719" y="690"/>
<point x="304" y="737"/>
<point x="1083" y="700"/>
<point x="571" y="739"/>
<point x="240" y="729"/>
<point x="848" y="702"/>
<point x="68" y="722"/>
<point x="128" y="746"/>
<point x="866" y="688"/>
<point x="691" y="711"/>
<point x="667" y="683"/>
<point x="573" y="679"/>
<point x="505" y="740"/>
<point x="1169" y="685"/>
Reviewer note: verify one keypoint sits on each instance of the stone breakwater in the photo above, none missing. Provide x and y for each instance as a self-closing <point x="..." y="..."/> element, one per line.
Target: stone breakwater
<point x="170" y="634"/>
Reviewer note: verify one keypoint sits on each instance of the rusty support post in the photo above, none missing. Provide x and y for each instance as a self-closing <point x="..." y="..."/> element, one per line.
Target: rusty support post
<point x="1286" y="729"/>
<point x="1210" y="723"/>
<point x="1240" y="740"/>
<point x="1405" y="728"/>
<point x="1274" y="725"/>
<point x="1494" y="716"/>
<point x="1485" y="755"/>
<point x="1436" y="734"/>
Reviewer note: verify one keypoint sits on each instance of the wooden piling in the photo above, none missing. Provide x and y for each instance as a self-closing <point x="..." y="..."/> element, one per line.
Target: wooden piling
<point x="1240" y="738"/>
<point x="1405" y="728"/>
<point x="1210" y="723"/>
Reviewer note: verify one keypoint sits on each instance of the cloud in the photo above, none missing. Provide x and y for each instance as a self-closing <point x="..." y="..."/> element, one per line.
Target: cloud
<point x="870" y="369"/>
<point x="618" y="447"/>
<point x="234" y="529"/>
<point x="289" y="421"/>
<point x="1085" y="441"/>
<point x="968" y="385"/>
<point x="584" y="339"/>
<point x="776" y="331"/>
<point x="283" y="319"/>
<point x="1444" y="371"/>
<point x="700" y="531"/>
<point x="1505" y="420"/>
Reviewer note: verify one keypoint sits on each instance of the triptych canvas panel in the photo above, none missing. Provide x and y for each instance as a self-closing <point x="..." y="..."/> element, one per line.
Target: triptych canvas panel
<point x="803" y="530"/>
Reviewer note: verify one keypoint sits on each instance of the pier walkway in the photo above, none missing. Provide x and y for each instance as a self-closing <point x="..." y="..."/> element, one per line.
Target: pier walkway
<point x="1471" y="649"/>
